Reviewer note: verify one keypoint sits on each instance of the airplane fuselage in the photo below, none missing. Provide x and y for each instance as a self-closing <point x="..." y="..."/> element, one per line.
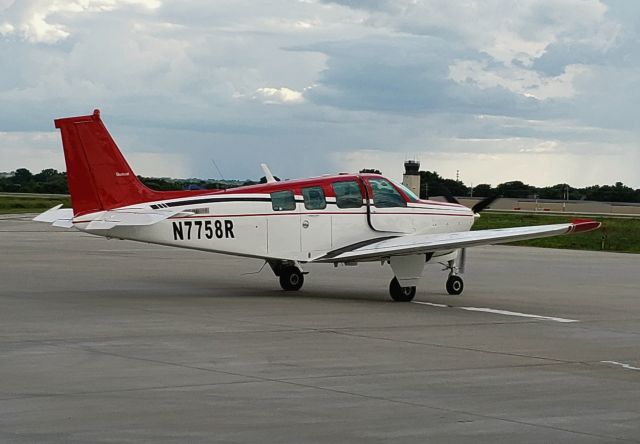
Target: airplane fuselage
<point x="293" y="220"/>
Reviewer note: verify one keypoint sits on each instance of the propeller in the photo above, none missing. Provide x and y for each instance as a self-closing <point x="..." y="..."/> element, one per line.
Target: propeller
<point x="477" y="208"/>
<point x="447" y="194"/>
<point x="484" y="203"/>
<point x="461" y="259"/>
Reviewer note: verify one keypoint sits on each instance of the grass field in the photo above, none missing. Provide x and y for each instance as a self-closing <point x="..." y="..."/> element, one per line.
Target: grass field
<point x="616" y="234"/>
<point x="22" y="204"/>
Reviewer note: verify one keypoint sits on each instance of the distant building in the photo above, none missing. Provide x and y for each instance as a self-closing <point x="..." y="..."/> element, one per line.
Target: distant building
<point x="6" y="175"/>
<point x="411" y="177"/>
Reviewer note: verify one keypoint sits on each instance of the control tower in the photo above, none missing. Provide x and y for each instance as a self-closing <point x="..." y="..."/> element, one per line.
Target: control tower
<point x="411" y="177"/>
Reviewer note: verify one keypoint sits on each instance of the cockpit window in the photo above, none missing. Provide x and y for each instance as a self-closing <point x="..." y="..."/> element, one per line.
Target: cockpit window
<point x="385" y="195"/>
<point x="410" y="194"/>
<point x="314" y="198"/>
<point x="348" y="194"/>
<point x="283" y="201"/>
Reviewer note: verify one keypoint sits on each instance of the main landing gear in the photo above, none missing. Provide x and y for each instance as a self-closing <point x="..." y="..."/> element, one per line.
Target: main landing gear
<point x="401" y="294"/>
<point x="291" y="278"/>
<point x="290" y="274"/>
<point x="454" y="285"/>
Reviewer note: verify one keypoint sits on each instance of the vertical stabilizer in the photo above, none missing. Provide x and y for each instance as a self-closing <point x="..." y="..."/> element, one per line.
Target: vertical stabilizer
<point x="99" y="177"/>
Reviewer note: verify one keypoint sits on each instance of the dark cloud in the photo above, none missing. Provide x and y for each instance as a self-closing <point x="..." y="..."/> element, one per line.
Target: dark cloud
<point x="407" y="75"/>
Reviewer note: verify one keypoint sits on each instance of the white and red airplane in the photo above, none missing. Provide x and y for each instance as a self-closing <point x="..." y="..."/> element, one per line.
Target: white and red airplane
<point x="340" y="219"/>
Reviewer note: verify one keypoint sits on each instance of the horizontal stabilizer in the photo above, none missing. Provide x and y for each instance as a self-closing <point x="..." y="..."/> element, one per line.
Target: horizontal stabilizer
<point x="58" y="216"/>
<point x="106" y="220"/>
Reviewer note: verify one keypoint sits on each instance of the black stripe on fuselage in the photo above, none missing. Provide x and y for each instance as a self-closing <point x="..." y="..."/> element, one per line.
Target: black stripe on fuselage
<point x="181" y="203"/>
<point x="339" y="251"/>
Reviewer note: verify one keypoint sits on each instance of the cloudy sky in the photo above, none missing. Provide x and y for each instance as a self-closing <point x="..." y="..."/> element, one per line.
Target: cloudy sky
<point x="546" y="91"/>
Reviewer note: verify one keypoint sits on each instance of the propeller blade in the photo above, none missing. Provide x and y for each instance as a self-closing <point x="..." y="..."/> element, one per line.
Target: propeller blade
<point x="449" y="197"/>
<point x="441" y="188"/>
<point x="484" y="203"/>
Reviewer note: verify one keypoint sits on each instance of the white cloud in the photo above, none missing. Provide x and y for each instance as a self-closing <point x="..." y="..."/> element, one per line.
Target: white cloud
<point x="32" y="150"/>
<point x="31" y="19"/>
<point x="279" y="95"/>
<point x="526" y="82"/>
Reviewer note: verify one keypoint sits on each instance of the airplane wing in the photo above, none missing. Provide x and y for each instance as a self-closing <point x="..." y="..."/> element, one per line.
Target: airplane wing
<point x="430" y="243"/>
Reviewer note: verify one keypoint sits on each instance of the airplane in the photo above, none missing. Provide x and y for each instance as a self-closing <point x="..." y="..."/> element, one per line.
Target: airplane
<point x="341" y="219"/>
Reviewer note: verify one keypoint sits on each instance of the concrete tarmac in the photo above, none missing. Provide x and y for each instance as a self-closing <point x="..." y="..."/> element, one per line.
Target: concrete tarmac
<point x="114" y="341"/>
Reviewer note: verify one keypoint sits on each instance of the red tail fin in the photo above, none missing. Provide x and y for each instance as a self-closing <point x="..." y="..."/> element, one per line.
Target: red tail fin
<point x="98" y="175"/>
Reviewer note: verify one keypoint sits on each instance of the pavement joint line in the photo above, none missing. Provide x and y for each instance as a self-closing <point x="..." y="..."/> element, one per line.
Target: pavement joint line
<point x="265" y="380"/>
<point x="552" y="361"/>
<point x="282" y="328"/>
<point x="360" y="395"/>
<point x="435" y="370"/>
<point x="455" y="347"/>
<point x="126" y="390"/>
<point x="461" y="412"/>
<point x="51" y="341"/>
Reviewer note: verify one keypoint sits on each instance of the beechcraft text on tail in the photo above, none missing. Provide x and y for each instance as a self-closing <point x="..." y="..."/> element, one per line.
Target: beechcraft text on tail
<point x="340" y="219"/>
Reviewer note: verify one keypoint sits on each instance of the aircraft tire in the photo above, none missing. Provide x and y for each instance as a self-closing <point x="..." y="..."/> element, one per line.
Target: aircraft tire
<point x="401" y="294"/>
<point x="455" y="285"/>
<point x="291" y="279"/>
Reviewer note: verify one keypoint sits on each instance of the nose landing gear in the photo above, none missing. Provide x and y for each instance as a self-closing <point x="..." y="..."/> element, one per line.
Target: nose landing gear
<point x="455" y="284"/>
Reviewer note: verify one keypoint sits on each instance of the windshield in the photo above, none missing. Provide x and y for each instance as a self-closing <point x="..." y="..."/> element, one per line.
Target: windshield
<point x="410" y="194"/>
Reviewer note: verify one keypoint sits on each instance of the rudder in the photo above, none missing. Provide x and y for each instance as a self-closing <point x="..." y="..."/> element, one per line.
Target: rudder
<point x="99" y="177"/>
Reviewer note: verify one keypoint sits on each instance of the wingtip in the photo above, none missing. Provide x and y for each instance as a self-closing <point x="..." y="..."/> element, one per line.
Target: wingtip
<point x="584" y="225"/>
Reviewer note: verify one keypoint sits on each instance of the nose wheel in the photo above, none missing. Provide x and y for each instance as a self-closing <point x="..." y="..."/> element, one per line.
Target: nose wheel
<point x="401" y="294"/>
<point x="455" y="285"/>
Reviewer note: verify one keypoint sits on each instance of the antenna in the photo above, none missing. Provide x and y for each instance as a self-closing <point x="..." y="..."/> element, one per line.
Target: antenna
<point x="218" y="169"/>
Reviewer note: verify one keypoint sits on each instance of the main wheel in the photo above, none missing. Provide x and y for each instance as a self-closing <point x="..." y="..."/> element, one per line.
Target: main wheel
<point x="291" y="279"/>
<point x="455" y="285"/>
<point x="401" y="294"/>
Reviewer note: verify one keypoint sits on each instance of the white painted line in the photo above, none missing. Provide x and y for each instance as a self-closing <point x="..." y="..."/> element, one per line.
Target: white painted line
<point x="501" y="312"/>
<point x="621" y="364"/>
<point x="431" y="304"/>
<point x="515" y="313"/>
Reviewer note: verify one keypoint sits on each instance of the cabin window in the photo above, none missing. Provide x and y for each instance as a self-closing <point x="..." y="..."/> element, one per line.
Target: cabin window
<point x="348" y="194"/>
<point x="314" y="198"/>
<point x="283" y="201"/>
<point x="385" y="195"/>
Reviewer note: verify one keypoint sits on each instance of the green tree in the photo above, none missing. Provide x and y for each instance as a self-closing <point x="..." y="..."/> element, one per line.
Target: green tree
<point x="515" y="189"/>
<point x="483" y="190"/>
